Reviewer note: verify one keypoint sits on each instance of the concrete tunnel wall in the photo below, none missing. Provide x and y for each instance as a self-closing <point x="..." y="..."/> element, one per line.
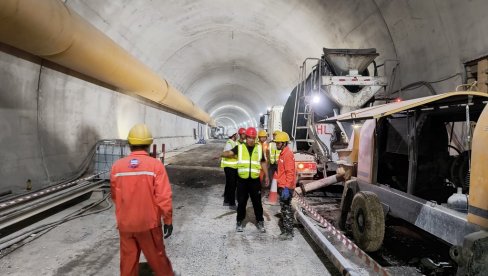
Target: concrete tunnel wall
<point x="232" y="58"/>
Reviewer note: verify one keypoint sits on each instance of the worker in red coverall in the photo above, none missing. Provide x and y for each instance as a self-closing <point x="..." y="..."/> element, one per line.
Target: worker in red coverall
<point x="142" y="196"/>
<point x="286" y="179"/>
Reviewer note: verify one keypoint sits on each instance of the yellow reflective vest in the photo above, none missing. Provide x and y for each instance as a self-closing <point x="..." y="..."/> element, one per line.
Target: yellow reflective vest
<point x="230" y="162"/>
<point x="274" y="153"/>
<point x="249" y="166"/>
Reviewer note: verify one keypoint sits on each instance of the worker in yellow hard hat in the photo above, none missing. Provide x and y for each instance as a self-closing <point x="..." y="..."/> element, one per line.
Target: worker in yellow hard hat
<point x="286" y="180"/>
<point x="142" y="196"/>
<point x="272" y="155"/>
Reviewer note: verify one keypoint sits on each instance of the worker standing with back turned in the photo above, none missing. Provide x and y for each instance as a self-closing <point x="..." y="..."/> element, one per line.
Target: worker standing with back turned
<point x="285" y="176"/>
<point x="250" y="159"/>
<point x="142" y="196"/>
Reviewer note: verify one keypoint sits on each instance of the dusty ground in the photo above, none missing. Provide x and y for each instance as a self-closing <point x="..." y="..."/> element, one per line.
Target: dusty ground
<point x="204" y="240"/>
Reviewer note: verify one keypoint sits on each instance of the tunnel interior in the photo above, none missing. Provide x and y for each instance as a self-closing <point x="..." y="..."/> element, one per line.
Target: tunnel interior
<point x="233" y="59"/>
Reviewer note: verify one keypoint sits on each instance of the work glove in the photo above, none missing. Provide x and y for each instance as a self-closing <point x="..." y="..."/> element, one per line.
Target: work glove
<point x="168" y="230"/>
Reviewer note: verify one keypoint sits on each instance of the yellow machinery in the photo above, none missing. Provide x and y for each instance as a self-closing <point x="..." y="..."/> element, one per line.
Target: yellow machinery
<point x="420" y="161"/>
<point x="478" y="192"/>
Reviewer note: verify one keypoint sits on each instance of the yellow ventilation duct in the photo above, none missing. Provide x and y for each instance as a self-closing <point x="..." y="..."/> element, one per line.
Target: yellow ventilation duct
<point x="52" y="31"/>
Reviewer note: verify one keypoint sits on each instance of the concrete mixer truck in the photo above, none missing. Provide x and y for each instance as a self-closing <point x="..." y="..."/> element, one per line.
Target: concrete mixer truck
<point x="423" y="161"/>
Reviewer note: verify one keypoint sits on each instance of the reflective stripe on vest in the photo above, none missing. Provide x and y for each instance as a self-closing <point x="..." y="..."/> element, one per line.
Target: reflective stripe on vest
<point x="249" y="166"/>
<point x="230" y="162"/>
<point x="274" y="153"/>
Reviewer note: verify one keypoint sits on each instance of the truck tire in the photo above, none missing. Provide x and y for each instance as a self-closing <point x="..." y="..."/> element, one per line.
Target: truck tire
<point x="368" y="221"/>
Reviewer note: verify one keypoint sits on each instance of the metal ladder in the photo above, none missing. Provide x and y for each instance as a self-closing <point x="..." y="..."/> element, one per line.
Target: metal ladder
<point x="303" y="114"/>
<point x="302" y="111"/>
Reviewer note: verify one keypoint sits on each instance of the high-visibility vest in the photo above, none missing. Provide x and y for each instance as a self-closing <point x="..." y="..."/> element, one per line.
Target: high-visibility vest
<point x="274" y="153"/>
<point x="230" y="162"/>
<point x="249" y="166"/>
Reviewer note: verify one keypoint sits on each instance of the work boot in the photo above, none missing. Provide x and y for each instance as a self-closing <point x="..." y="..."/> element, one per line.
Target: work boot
<point x="260" y="226"/>
<point x="286" y="236"/>
<point x="233" y="207"/>
<point x="239" y="227"/>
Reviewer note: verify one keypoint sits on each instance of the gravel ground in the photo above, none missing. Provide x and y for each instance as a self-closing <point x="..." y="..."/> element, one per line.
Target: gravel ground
<point x="204" y="240"/>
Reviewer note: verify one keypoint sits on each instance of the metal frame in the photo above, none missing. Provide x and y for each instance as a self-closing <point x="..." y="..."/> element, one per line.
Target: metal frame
<point x="447" y="224"/>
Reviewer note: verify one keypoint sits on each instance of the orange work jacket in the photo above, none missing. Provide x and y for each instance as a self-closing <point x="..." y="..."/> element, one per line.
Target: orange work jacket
<point x="141" y="193"/>
<point x="285" y="174"/>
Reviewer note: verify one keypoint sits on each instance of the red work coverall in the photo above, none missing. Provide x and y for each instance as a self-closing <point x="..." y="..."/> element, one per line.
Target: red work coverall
<point x="142" y="195"/>
<point x="285" y="174"/>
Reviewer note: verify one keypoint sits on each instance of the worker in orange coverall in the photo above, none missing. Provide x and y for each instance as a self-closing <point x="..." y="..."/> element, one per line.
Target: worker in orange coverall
<point x="142" y="195"/>
<point x="286" y="179"/>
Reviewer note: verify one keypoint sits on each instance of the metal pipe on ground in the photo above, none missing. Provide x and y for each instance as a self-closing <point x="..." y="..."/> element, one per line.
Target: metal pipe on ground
<point x="334" y="255"/>
<point x="324" y="182"/>
<point x="32" y="208"/>
<point x="50" y="30"/>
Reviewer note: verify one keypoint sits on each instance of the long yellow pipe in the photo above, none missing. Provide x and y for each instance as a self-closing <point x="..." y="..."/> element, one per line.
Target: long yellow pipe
<point x="49" y="29"/>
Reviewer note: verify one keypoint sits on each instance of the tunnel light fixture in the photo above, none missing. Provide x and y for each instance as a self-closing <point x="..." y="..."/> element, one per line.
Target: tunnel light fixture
<point x="315" y="99"/>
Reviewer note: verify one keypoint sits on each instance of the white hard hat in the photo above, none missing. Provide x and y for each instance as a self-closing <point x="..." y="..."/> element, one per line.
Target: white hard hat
<point x="231" y="131"/>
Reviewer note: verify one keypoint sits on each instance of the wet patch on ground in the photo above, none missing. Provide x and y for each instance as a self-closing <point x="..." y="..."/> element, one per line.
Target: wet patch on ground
<point x="197" y="168"/>
<point x="207" y="155"/>
<point x="194" y="177"/>
<point x="91" y="261"/>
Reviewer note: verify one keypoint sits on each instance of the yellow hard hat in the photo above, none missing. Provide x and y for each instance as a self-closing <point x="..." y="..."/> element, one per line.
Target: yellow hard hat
<point x="140" y="135"/>
<point x="262" y="133"/>
<point x="282" y="137"/>
<point x="276" y="132"/>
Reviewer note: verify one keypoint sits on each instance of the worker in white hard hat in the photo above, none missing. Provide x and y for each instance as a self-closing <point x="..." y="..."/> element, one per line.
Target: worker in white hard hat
<point x="142" y="196"/>
<point x="230" y="169"/>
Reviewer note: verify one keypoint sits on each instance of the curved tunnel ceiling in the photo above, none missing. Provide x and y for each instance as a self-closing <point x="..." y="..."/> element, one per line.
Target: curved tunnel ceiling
<point x="235" y="59"/>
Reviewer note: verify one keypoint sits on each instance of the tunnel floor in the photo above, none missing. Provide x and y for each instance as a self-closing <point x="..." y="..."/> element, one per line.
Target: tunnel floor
<point x="204" y="241"/>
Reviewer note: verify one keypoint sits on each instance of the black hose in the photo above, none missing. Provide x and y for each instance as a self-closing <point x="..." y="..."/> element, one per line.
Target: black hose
<point x="454" y="148"/>
<point x="43" y="229"/>
<point x="427" y="84"/>
<point x="415" y="85"/>
<point x="4" y="193"/>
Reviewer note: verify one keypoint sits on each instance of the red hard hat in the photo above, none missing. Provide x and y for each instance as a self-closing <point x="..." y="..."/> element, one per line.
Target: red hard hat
<point x="242" y="131"/>
<point x="251" y="132"/>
